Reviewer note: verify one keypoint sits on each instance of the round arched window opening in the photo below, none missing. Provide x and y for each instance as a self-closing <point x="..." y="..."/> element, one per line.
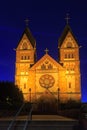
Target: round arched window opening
<point x="69" y="45"/>
<point x="24" y="46"/>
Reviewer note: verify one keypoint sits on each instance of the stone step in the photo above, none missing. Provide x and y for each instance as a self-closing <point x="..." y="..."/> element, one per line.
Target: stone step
<point x="41" y="123"/>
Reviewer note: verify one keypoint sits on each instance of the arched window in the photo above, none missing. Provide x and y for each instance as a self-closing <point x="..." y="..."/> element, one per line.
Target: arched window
<point x="50" y="66"/>
<point x="21" y="57"/>
<point x="24" y="46"/>
<point x="24" y="85"/>
<point x="69" y="45"/>
<point x="72" y="56"/>
<point x="68" y="55"/>
<point x="25" y="57"/>
<point x="69" y="84"/>
<point x="43" y="66"/>
<point x="65" y="55"/>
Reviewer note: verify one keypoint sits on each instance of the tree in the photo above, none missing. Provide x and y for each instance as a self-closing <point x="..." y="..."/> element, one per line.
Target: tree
<point x="10" y="93"/>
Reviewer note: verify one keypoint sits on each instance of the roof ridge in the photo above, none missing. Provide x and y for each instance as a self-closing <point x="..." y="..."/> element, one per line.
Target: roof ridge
<point x="30" y="36"/>
<point x="43" y="57"/>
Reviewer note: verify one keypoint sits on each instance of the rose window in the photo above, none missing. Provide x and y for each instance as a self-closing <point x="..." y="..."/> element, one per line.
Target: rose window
<point x="46" y="81"/>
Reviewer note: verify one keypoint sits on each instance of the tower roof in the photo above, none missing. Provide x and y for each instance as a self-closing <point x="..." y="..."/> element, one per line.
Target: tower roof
<point x="29" y="35"/>
<point x="64" y="33"/>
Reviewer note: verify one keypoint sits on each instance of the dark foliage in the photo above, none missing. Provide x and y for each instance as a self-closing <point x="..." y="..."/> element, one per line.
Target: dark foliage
<point x="70" y="109"/>
<point x="10" y="93"/>
<point x="71" y="104"/>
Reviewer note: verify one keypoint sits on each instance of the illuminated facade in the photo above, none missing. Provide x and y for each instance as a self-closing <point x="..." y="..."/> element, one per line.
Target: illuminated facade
<point x="47" y="78"/>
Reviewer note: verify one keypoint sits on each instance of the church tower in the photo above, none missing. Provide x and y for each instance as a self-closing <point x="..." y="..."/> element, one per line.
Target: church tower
<point x="25" y="58"/>
<point x="69" y="59"/>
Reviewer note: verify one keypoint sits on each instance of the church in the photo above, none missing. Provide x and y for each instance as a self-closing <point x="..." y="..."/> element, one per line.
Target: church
<point x="48" y="79"/>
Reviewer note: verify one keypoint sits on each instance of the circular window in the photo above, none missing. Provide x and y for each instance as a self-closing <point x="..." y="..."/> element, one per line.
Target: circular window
<point x="46" y="81"/>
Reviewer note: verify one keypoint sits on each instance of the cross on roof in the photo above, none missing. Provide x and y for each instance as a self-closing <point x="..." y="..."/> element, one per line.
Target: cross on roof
<point x="67" y="18"/>
<point x="46" y="51"/>
<point x="27" y="21"/>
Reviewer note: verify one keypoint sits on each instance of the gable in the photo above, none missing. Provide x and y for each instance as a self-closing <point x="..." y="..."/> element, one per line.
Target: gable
<point x="68" y="36"/>
<point x="28" y="38"/>
<point x="24" y="43"/>
<point x="46" y="63"/>
<point x="69" y="41"/>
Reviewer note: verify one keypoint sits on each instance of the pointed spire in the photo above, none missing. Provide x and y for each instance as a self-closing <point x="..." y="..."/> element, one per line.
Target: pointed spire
<point x="64" y="33"/>
<point x="29" y="35"/>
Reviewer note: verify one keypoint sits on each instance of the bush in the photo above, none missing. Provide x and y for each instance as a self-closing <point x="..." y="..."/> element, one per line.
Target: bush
<point x="70" y="105"/>
<point x="10" y="94"/>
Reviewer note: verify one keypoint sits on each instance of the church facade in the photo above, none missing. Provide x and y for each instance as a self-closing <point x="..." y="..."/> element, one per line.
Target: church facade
<point x="47" y="78"/>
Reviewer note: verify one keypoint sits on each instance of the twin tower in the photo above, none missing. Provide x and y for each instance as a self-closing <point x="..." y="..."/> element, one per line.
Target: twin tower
<point x="48" y="79"/>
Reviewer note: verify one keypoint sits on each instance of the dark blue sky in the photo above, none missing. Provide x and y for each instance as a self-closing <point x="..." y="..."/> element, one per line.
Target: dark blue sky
<point x="47" y="21"/>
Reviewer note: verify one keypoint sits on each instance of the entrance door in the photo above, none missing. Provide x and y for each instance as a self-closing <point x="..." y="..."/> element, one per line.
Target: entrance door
<point x="47" y="103"/>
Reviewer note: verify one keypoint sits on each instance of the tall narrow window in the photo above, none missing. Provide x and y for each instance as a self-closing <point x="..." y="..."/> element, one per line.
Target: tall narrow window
<point x="43" y="66"/>
<point x="50" y="66"/>
<point x="24" y="85"/>
<point x="72" y="56"/>
<point x="69" y="84"/>
<point x="25" y="57"/>
<point x="28" y="57"/>
<point x="21" y="57"/>
<point x="68" y="55"/>
<point x="65" y="55"/>
<point x="24" y="46"/>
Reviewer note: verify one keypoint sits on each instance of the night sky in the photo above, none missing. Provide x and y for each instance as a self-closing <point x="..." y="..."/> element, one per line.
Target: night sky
<point x="46" y="22"/>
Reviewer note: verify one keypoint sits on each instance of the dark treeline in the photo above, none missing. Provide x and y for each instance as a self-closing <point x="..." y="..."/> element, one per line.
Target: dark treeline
<point x="10" y="93"/>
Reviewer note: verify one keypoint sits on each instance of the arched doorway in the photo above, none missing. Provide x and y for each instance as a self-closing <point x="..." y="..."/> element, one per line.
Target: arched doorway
<point x="47" y="103"/>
